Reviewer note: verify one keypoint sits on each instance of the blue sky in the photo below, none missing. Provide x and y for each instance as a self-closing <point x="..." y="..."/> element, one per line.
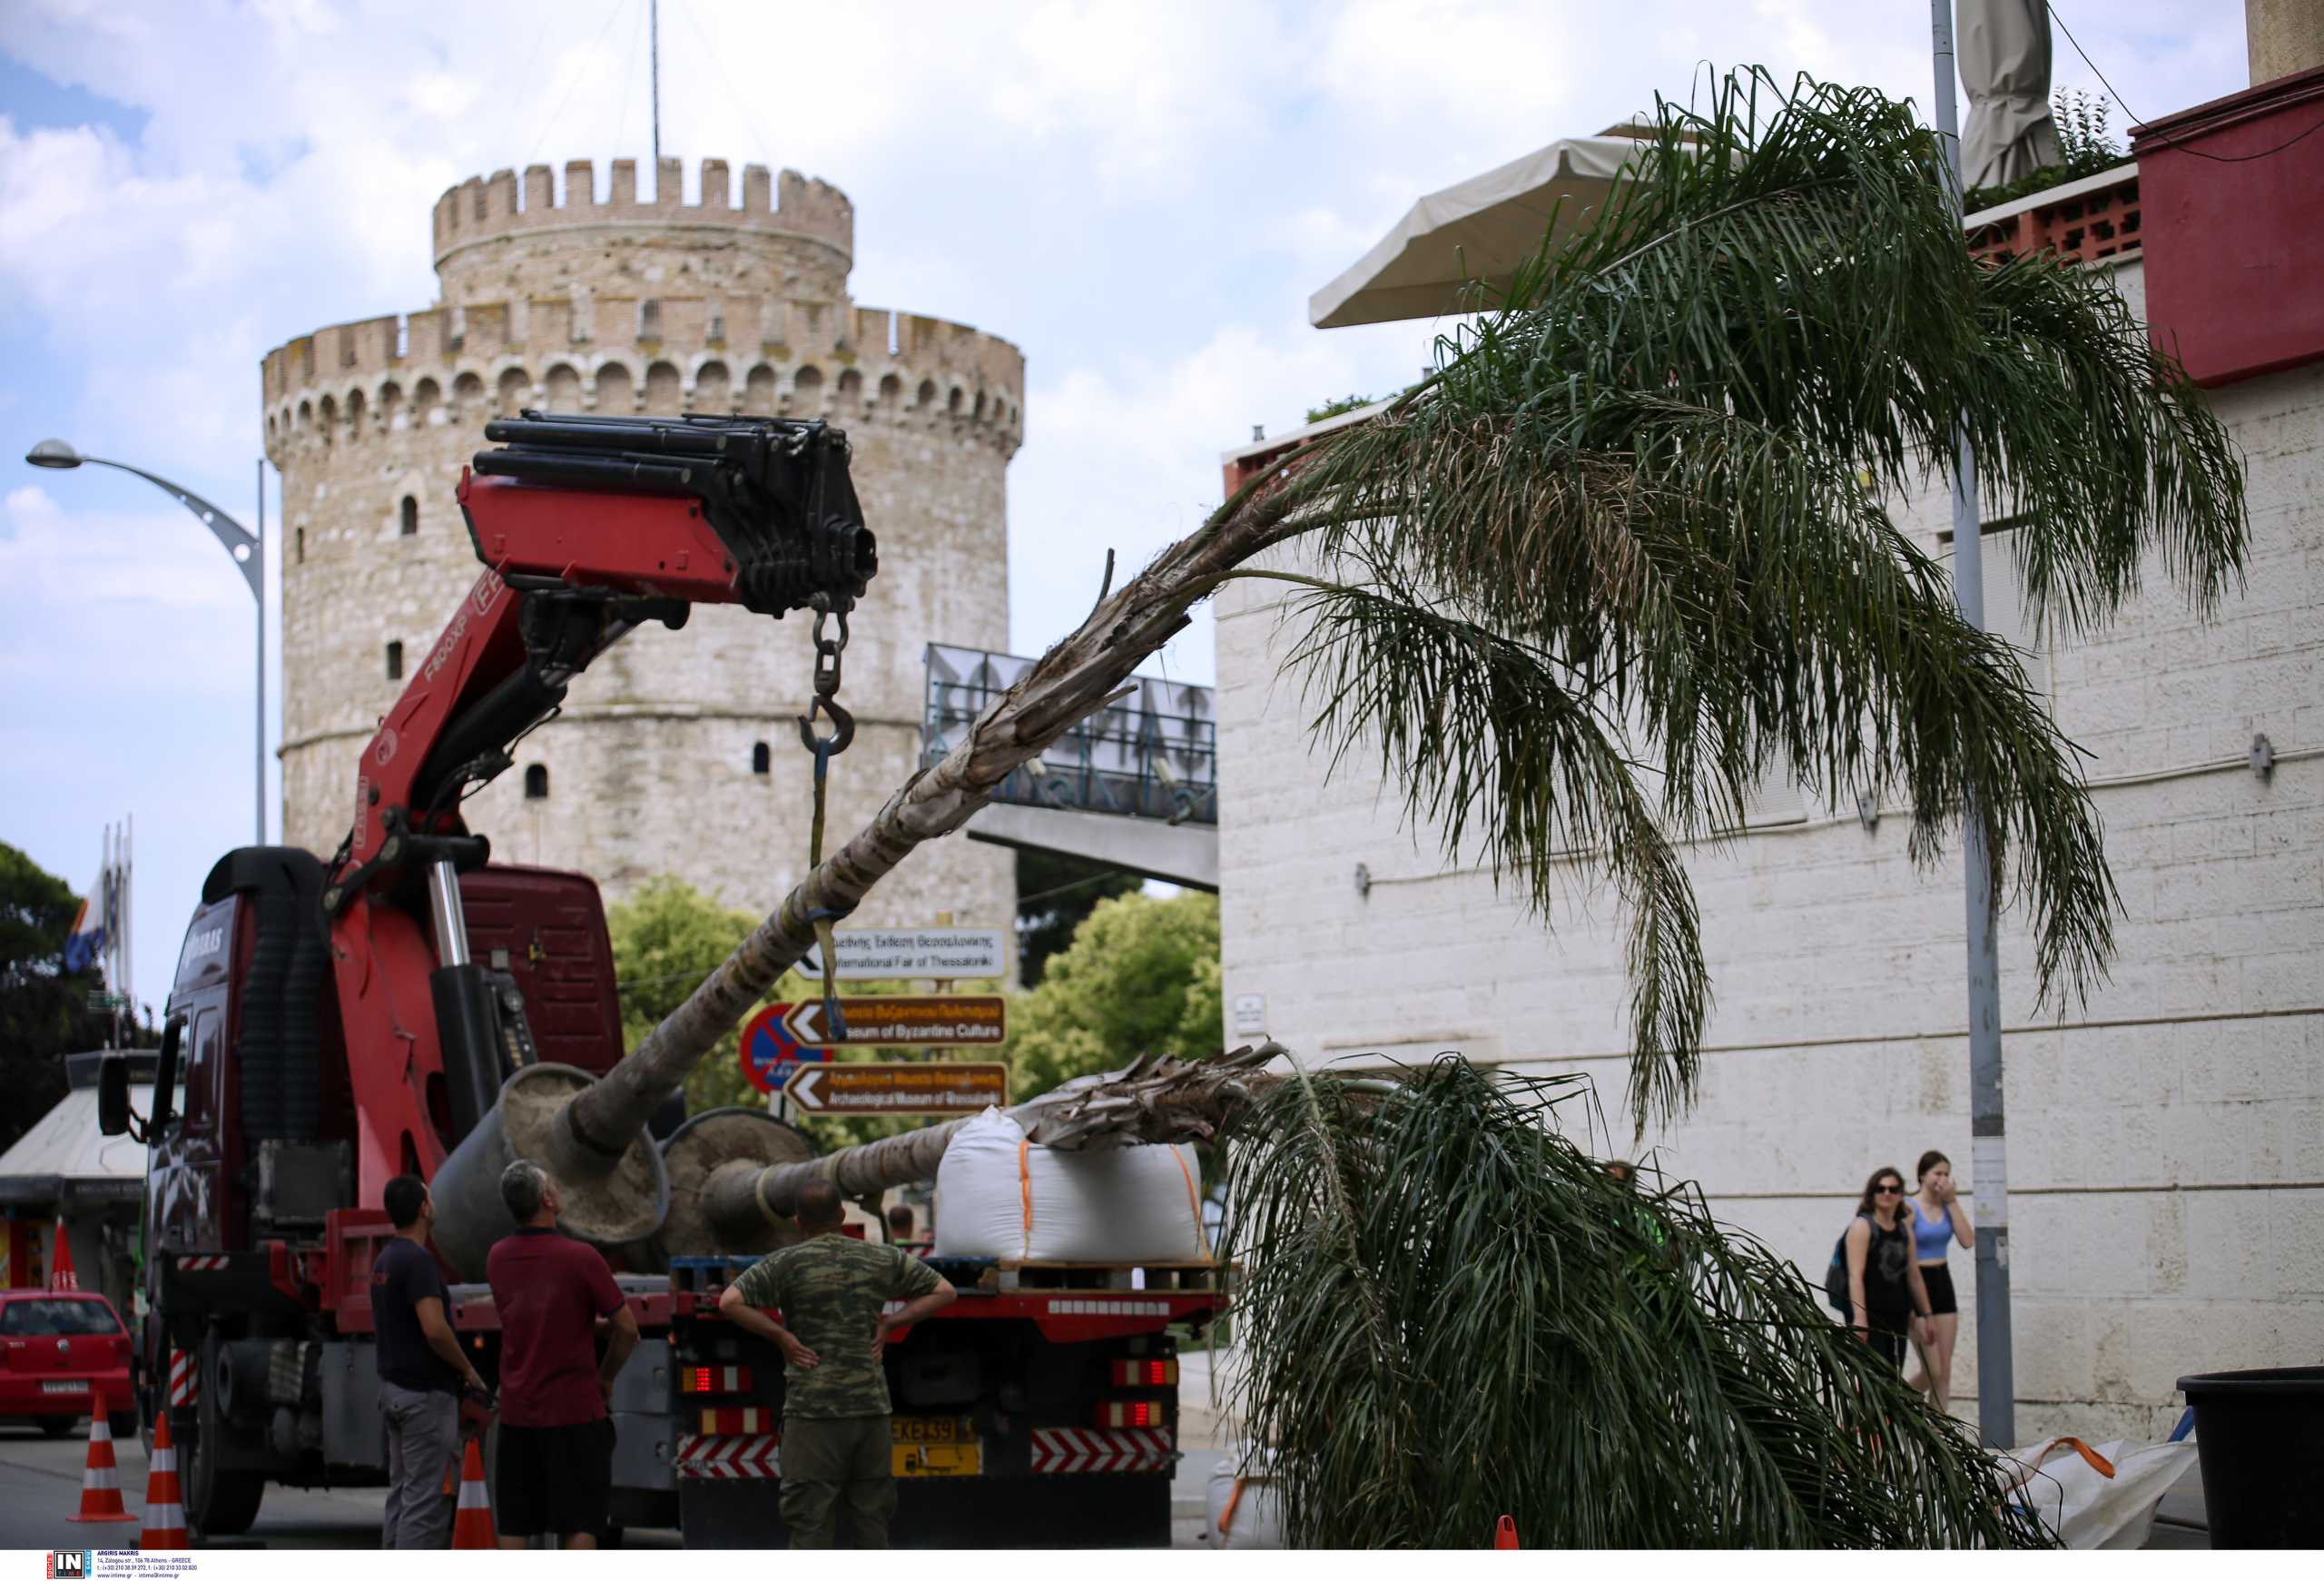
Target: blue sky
<point x="1141" y="195"/>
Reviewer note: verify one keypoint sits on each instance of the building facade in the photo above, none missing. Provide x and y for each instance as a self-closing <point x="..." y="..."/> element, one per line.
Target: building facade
<point x="677" y="752"/>
<point x="2166" y="1139"/>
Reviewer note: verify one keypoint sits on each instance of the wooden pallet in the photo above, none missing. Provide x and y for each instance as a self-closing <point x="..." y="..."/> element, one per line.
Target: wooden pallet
<point x="1036" y="1274"/>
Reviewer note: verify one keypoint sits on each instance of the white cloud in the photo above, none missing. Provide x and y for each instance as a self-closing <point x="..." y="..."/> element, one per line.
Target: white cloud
<point x="1142" y="196"/>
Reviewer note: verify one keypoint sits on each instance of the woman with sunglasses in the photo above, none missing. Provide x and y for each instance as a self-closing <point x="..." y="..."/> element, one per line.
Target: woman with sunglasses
<point x="1886" y="1294"/>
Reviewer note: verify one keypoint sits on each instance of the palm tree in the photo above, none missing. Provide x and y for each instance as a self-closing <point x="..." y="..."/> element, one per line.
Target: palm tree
<point x="1623" y="549"/>
<point x="1628" y="544"/>
<point x="1451" y="1314"/>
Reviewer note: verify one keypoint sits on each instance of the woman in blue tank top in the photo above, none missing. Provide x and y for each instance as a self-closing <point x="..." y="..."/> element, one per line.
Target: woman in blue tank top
<point x="1939" y="1220"/>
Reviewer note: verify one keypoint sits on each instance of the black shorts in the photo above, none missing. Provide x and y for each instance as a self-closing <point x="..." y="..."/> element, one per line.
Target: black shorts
<point x="1939" y="1280"/>
<point x="553" y="1481"/>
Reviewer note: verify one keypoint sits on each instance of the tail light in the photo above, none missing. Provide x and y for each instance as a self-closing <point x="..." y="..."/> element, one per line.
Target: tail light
<point x="713" y="1381"/>
<point x="1145" y="1372"/>
<point x="1146" y="1413"/>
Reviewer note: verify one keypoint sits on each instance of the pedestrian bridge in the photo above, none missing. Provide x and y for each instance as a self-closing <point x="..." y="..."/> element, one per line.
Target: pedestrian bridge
<point x="1134" y="786"/>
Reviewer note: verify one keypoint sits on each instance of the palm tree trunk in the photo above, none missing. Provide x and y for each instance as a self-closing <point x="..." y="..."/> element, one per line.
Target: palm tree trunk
<point x="1153" y="1098"/>
<point x="1080" y="675"/>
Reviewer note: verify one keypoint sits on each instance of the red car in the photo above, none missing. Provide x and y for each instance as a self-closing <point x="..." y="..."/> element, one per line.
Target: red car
<point x="64" y="1355"/>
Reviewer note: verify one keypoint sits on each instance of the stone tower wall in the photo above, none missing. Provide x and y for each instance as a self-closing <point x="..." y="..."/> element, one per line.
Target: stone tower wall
<point x="659" y="307"/>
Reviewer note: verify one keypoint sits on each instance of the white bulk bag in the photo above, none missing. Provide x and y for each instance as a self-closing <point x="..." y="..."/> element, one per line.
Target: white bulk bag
<point x="1000" y="1195"/>
<point x="2087" y="1507"/>
<point x="1244" y="1509"/>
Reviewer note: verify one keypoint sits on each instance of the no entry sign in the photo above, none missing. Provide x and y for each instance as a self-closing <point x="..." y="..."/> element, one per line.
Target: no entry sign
<point x="769" y="1054"/>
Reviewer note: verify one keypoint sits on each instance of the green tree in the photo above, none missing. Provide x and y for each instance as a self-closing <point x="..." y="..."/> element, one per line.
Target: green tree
<point x="44" y="1008"/>
<point x="1334" y="407"/>
<point x="1054" y="893"/>
<point x="1140" y="974"/>
<point x="667" y="937"/>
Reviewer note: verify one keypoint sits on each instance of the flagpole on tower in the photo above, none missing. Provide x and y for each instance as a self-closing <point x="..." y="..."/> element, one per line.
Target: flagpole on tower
<point x="654" y="55"/>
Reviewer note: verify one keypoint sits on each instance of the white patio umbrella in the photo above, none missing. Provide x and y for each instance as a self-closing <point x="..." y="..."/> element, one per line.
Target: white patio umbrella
<point x="1478" y="232"/>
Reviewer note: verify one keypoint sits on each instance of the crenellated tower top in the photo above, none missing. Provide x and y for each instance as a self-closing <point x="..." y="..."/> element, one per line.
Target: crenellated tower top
<point x="494" y="237"/>
<point x="652" y="306"/>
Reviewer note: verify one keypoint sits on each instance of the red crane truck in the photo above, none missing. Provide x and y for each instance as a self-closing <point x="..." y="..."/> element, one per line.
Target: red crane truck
<point x="334" y="1024"/>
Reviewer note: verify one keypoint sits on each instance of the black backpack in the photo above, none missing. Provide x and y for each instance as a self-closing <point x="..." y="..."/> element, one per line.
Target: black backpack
<point x="1835" y="1277"/>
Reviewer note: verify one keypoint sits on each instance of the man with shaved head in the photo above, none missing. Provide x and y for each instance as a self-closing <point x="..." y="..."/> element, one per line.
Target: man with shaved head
<point x="831" y="1293"/>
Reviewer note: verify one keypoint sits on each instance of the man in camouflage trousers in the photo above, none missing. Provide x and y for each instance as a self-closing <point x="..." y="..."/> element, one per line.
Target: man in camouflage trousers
<point x="832" y="1292"/>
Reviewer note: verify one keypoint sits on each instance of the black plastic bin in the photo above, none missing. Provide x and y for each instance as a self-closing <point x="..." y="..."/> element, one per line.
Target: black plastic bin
<point x="2261" y="1438"/>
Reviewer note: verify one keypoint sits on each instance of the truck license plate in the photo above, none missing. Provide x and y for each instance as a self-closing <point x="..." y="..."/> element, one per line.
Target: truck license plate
<point x="939" y="1459"/>
<point x="68" y="1386"/>
<point x="932" y="1429"/>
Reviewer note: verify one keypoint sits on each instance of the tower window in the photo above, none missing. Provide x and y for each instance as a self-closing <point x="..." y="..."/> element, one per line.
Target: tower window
<point x="649" y="321"/>
<point x="299" y="545"/>
<point x="760" y="759"/>
<point x="395" y="661"/>
<point x="410" y="517"/>
<point x="536" y="782"/>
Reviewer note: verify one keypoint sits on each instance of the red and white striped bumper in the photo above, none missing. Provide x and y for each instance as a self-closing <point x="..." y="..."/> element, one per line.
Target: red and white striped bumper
<point x="185" y="1379"/>
<point x="1074" y="1450"/>
<point x="757" y="1455"/>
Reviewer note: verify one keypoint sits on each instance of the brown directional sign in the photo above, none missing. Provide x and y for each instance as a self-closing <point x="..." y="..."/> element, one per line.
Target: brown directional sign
<point x="942" y="1020"/>
<point x="940" y="1088"/>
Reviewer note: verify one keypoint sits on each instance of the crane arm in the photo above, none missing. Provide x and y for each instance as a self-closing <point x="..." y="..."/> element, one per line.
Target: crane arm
<point x="586" y="528"/>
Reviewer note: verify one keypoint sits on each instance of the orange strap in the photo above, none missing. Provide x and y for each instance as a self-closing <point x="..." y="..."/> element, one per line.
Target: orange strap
<point x="1025" y="1185"/>
<point x="1234" y="1497"/>
<point x="1194" y="1201"/>
<point x="2098" y="1463"/>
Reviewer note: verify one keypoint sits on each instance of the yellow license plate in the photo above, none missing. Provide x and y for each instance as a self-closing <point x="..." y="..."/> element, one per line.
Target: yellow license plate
<point x="932" y="1429"/>
<point x="939" y="1459"/>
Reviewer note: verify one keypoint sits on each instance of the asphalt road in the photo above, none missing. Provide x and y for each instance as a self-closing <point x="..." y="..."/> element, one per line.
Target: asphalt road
<point x="40" y="1486"/>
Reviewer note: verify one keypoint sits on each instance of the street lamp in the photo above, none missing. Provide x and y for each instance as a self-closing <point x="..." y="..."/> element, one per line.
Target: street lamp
<point x="243" y="545"/>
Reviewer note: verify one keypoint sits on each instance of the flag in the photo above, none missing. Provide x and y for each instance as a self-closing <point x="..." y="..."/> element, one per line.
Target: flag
<point x="84" y="943"/>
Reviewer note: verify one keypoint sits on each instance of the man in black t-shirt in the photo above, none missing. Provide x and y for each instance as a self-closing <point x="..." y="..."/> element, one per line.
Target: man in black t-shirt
<point x="421" y="1370"/>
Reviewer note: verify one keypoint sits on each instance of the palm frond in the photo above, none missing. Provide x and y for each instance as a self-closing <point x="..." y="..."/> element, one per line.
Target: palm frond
<point x="1628" y="544"/>
<point x="1452" y="1314"/>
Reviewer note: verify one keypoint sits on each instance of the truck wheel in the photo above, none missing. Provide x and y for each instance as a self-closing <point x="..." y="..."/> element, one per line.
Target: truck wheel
<point x="219" y="1503"/>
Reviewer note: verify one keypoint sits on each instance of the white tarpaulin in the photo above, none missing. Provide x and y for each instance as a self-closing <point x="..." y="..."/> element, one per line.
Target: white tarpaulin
<point x="1477" y="232"/>
<point x="2003" y="47"/>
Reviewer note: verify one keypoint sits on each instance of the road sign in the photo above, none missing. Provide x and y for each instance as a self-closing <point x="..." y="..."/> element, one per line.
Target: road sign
<point x="939" y="1088"/>
<point x="945" y="1020"/>
<point x="914" y="953"/>
<point x="769" y="1054"/>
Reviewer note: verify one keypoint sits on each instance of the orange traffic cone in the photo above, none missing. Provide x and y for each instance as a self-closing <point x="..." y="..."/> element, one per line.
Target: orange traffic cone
<point x="164" y="1506"/>
<point x="472" y="1522"/>
<point x="1504" y="1533"/>
<point x="100" y="1485"/>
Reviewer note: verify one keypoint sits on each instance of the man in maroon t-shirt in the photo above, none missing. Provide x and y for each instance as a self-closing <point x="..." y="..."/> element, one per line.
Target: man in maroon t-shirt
<point x="555" y="1460"/>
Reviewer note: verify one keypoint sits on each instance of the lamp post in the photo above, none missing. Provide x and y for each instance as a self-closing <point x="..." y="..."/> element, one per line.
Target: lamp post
<point x="246" y="546"/>
<point x="1988" y="1130"/>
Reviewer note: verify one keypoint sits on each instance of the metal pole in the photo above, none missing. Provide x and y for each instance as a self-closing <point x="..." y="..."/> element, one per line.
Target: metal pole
<point x="654" y="55"/>
<point x="259" y="588"/>
<point x="1989" y="1156"/>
